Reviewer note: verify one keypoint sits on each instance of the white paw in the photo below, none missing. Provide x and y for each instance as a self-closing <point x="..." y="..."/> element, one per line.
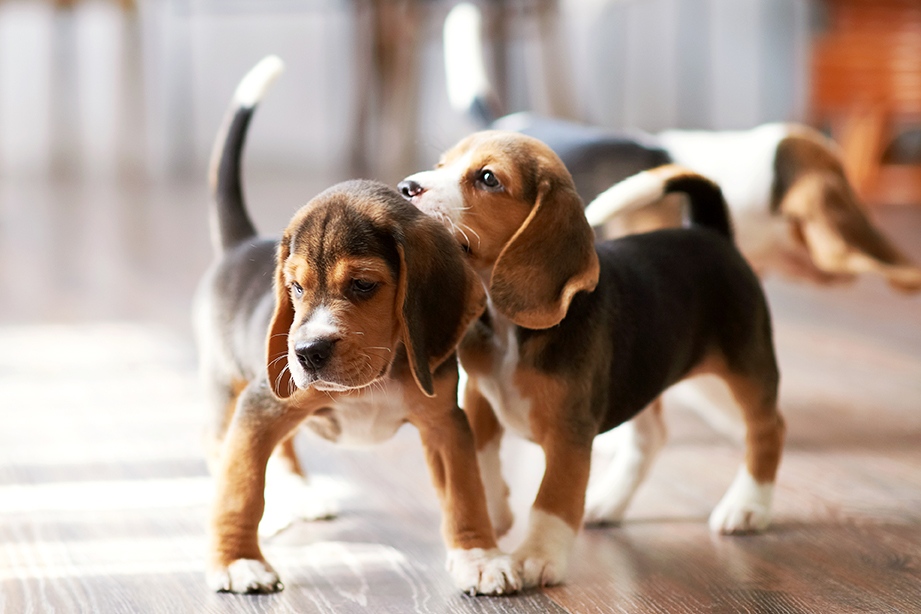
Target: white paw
<point x="750" y="518"/>
<point x="745" y="508"/>
<point x="603" y="508"/>
<point x="245" y="576"/>
<point x="543" y="558"/>
<point x="290" y="497"/>
<point x="483" y="572"/>
<point x="542" y="570"/>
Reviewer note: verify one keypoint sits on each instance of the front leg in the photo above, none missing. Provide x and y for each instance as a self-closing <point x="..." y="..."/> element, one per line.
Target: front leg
<point x="556" y="515"/>
<point x="487" y="433"/>
<point x="236" y="563"/>
<point x="474" y="560"/>
<point x="560" y="423"/>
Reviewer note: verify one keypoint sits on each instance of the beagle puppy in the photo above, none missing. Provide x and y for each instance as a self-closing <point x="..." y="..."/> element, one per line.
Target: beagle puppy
<point x="794" y="211"/>
<point x="579" y="338"/>
<point x="348" y="324"/>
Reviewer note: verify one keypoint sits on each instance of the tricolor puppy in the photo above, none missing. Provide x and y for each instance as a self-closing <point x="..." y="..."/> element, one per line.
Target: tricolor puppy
<point x="349" y="324"/>
<point x="579" y="338"/>
<point x="793" y="209"/>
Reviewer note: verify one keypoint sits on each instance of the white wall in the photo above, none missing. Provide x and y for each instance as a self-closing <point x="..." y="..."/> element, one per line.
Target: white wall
<point x="98" y="92"/>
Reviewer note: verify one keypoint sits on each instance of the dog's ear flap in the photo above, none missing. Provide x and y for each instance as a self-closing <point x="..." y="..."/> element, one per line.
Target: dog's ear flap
<point x="279" y="375"/>
<point x="839" y="235"/>
<point x="438" y="296"/>
<point x="549" y="260"/>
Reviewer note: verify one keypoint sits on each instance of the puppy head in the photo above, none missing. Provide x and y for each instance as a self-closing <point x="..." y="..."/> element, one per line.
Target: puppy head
<point x="360" y="271"/>
<point x="513" y="207"/>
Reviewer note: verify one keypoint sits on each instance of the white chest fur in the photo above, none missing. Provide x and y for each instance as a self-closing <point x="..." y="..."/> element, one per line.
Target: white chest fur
<point x="365" y="419"/>
<point x="498" y="386"/>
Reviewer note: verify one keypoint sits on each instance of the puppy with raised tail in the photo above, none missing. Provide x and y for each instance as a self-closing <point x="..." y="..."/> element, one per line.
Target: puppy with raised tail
<point x="579" y="338"/>
<point x="349" y="324"/>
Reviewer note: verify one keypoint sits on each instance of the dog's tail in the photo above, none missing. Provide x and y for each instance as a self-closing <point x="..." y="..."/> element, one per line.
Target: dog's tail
<point x="230" y="223"/>
<point x="469" y="89"/>
<point x="706" y="206"/>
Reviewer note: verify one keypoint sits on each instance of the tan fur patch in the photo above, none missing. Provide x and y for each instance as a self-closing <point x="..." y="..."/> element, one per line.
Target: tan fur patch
<point x="764" y="425"/>
<point x="561" y="427"/>
<point x="240" y="479"/>
<point x="451" y="456"/>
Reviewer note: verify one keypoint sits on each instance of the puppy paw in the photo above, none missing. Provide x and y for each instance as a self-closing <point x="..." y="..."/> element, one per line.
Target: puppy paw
<point x="602" y="509"/>
<point x="483" y="572"/>
<point x="732" y="518"/>
<point x="284" y="508"/>
<point x="745" y="508"/>
<point x="543" y="558"/>
<point x="290" y="498"/>
<point x="541" y="568"/>
<point x="245" y="576"/>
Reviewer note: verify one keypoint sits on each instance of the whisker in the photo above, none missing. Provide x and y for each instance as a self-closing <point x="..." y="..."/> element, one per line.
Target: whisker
<point x="478" y="239"/>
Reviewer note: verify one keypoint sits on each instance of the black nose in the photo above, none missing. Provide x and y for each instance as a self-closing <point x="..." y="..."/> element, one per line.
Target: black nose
<point x="409" y="188"/>
<point x="314" y="355"/>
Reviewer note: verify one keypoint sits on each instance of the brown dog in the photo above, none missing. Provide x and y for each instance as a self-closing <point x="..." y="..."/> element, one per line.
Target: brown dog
<point x="580" y="338"/>
<point x="348" y="324"/>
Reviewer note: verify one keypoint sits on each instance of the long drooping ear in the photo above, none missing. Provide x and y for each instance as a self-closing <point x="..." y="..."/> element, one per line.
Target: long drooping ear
<point x="840" y="237"/>
<point x="438" y="296"/>
<point x="277" y="340"/>
<point x="549" y="260"/>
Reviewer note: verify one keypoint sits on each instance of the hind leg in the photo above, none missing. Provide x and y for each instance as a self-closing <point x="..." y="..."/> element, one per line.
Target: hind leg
<point x="746" y="506"/>
<point x="638" y="443"/>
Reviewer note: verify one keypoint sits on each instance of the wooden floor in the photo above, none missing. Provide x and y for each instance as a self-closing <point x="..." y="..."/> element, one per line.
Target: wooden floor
<point x="104" y="493"/>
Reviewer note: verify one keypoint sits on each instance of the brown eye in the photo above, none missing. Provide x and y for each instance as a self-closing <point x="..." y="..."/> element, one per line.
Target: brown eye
<point x="488" y="179"/>
<point x="363" y="287"/>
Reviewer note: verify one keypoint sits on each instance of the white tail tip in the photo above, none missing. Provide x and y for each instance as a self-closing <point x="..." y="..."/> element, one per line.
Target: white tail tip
<point x="628" y="195"/>
<point x="257" y="81"/>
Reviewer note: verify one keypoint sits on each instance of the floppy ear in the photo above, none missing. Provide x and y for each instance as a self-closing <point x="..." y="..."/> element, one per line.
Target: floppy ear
<point x="438" y="296"/>
<point x="547" y="261"/>
<point x="277" y="340"/>
<point x="840" y="237"/>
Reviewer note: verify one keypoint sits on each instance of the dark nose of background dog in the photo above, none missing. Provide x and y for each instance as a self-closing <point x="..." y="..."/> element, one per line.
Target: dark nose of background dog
<point x="409" y="188"/>
<point x="314" y="355"/>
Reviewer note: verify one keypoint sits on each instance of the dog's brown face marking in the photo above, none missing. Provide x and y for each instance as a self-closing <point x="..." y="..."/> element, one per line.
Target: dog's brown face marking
<point x="341" y="276"/>
<point x="484" y="189"/>
<point x="512" y="205"/>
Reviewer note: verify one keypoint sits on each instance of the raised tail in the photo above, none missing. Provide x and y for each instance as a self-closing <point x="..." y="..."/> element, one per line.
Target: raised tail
<point x="230" y="223"/>
<point x="707" y="207"/>
<point x="469" y="89"/>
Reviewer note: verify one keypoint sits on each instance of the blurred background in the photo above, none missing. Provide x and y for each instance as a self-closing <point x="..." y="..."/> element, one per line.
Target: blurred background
<point x="108" y="110"/>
